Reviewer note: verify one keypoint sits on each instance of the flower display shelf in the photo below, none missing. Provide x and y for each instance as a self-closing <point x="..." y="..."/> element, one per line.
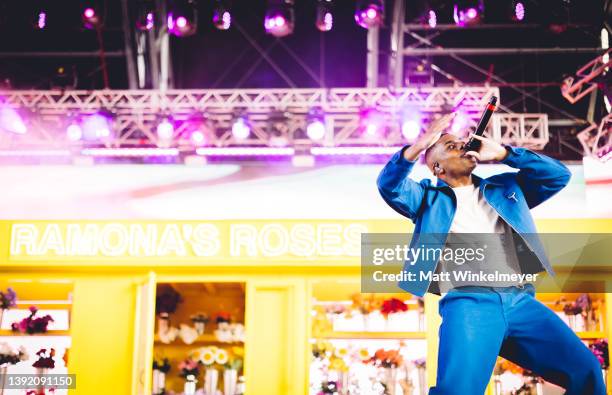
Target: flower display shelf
<point x="207" y="338"/>
<point x="6" y="332"/>
<point x="373" y="335"/>
<point x="591" y="335"/>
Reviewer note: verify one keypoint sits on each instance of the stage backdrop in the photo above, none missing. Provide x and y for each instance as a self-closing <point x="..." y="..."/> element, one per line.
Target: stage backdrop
<point x="240" y="192"/>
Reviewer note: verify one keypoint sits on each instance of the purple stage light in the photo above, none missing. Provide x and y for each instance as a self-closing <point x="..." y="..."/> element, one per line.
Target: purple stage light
<point x="222" y="19"/>
<point x="11" y="121"/>
<point x="371" y="129"/>
<point x="181" y="22"/>
<point x="432" y="19"/>
<point x="89" y="13"/>
<point x="471" y="13"/>
<point x="279" y="20"/>
<point x="519" y="11"/>
<point x="90" y="18"/>
<point x="411" y="129"/>
<point x="96" y="126"/>
<point x="42" y="20"/>
<point x="198" y="138"/>
<point x="74" y="132"/>
<point x="150" y="20"/>
<point x="165" y="130"/>
<point x="315" y="130"/>
<point x="369" y="13"/>
<point x="241" y="129"/>
<point x="460" y="123"/>
<point x="468" y="14"/>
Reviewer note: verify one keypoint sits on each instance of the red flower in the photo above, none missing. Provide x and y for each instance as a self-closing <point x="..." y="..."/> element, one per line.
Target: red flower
<point x="393" y="305"/>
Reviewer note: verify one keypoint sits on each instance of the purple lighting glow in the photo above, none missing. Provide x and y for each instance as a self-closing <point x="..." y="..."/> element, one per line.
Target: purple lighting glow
<point x="89" y="13"/>
<point x="519" y="11"/>
<point x="471" y="13"/>
<point x="74" y="132"/>
<point x="240" y="129"/>
<point x="10" y="121"/>
<point x="369" y="13"/>
<point x="165" y="130"/>
<point x="411" y="130"/>
<point x="42" y="20"/>
<point x="432" y="19"/>
<point x="222" y="19"/>
<point x="315" y="130"/>
<point x="460" y="123"/>
<point x="181" y="22"/>
<point x="279" y="22"/>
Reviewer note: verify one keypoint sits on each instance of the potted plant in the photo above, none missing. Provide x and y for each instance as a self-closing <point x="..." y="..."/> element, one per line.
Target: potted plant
<point x="231" y="366"/>
<point x="160" y="369"/>
<point x="389" y="360"/>
<point x="199" y="322"/>
<point x="31" y="324"/>
<point x="9" y="356"/>
<point x="8" y="299"/>
<point x="189" y="370"/>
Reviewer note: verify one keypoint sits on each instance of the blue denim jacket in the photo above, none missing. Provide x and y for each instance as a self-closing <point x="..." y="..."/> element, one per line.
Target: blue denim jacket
<point x="432" y="207"/>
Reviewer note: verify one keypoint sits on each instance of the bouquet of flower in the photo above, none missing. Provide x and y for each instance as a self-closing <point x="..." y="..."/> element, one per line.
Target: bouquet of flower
<point x="200" y="317"/>
<point x="31" y="324"/>
<point x="167" y="300"/>
<point x="162" y="365"/>
<point x="600" y="350"/>
<point x="365" y="304"/>
<point x="336" y="308"/>
<point x="503" y="365"/>
<point x="10" y="356"/>
<point x="8" y="299"/>
<point x="420" y="363"/>
<point x="393" y="305"/>
<point x="189" y="367"/>
<point x="223" y="317"/>
<point x="387" y="358"/>
<point x="322" y="349"/>
<point x="45" y="359"/>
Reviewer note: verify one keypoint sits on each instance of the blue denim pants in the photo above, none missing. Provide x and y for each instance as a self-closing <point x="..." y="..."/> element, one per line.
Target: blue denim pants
<point x="480" y="323"/>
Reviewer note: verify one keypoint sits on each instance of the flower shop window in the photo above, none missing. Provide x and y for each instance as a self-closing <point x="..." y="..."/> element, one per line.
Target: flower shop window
<point x="34" y="326"/>
<point x="199" y="338"/>
<point x="366" y="343"/>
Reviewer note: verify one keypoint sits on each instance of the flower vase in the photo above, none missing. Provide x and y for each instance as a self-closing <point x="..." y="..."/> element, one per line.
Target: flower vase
<point x="343" y="381"/>
<point x="603" y="371"/>
<point x="40" y="373"/>
<point x="163" y="323"/>
<point x="159" y="382"/>
<point x="421" y="320"/>
<point x="200" y="327"/>
<point x="539" y="385"/>
<point x="497" y="390"/>
<point x="366" y="322"/>
<point x="211" y="379"/>
<point x="1" y="315"/>
<point x="190" y="385"/>
<point x="230" y="381"/>
<point x="571" y="320"/>
<point x="422" y="380"/>
<point x="3" y="370"/>
<point x="390" y="380"/>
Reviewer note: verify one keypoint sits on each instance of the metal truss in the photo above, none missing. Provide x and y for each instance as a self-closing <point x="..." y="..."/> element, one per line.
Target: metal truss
<point x="596" y="140"/>
<point x="277" y="117"/>
<point x="575" y="88"/>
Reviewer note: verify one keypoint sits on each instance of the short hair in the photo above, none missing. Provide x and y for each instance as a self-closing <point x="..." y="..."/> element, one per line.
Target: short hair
<point x="428" y="151"/>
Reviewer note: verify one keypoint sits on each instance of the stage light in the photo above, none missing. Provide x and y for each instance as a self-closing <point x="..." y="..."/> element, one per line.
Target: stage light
<point x="165" y="130"/>
<point x="411" y="129"/>
<point x="240" y="128"/>
<point x="468" y="12"/>
<point x="460" y="123"/>
<point x="197" y="137"/>
<point x="325" y="19"/>
<point x="519" y="11"/>
<point x="145" y="19"/>
<point x="90" y="17"/>
<point x="183" y="18"/>
<point x="97" y="126"/>
<point x="11" y="121"/>
<point x="432" y="18"/>
<point x="41" y="20"/>
<point x="222" y="18"/>
<point x="74" y="132"/>
<point x="369" y="13"/>
<point x="280" y="18"/>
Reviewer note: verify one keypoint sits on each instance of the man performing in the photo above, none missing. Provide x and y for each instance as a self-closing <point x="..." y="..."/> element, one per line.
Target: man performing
<point x="481" y="322"/>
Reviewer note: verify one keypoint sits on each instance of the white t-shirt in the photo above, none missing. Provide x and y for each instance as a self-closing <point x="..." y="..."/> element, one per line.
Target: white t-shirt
<point x="475" y="215"/>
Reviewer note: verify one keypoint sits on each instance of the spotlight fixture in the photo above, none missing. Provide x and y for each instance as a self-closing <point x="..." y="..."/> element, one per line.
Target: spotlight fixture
<point x="183" y="18"/>
<point x="517" y="10"/>
<point x="372" y="123"/>
<point x="315" y="127"/>
<point x="11" y="121"/>
<point x="222" y="18"/>
<point x="90" y="17"/>
<point x="325" y="18"/>
<point x="411" y="120"/>
<point x="280" y="18"/>
<point x="369" y="13"/>
<point x="40" y="20"/>
<point x="74" y="131"/>
<point x="146" y="15"/>
<point x="468" y="12"/>
<point x="241" y="128"/>
<point x="97" y="126"/>
<point x="165" y="129"/>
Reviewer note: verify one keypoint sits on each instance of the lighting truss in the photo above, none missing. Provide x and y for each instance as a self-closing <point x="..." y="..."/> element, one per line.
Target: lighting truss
<point x="136" y="115"/>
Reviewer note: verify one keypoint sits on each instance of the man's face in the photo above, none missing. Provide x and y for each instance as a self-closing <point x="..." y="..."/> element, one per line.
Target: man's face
<point x="447" y="153"/>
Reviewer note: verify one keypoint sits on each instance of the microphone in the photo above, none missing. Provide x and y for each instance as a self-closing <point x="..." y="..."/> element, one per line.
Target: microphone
<point x="474" y="144"/>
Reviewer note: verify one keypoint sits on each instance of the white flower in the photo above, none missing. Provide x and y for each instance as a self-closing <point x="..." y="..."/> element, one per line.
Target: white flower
<point x="208" y="356"/>
<point x="222" y="357"/>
